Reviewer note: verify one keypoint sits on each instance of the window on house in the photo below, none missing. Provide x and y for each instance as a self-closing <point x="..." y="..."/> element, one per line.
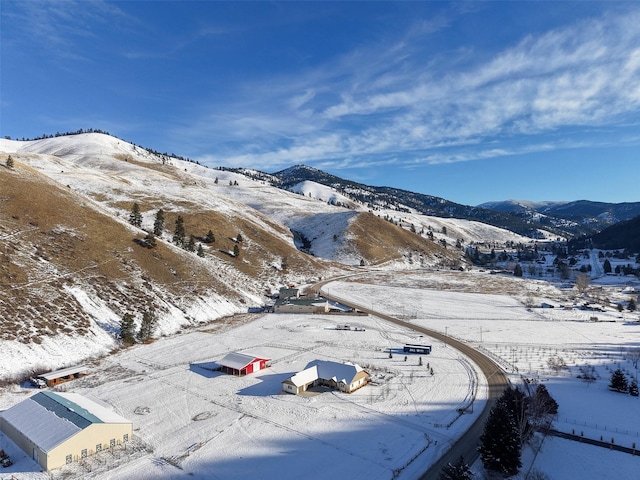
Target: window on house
<point x="69" y="459"/>
<point x="99" y="447"/>
<point x="112" y="442"/>
<point x="83" y="453"/>
<point x="125" y="437"/>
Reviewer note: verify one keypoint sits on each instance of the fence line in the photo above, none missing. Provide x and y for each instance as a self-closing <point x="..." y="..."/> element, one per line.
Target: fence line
<point x="601" y="427"/>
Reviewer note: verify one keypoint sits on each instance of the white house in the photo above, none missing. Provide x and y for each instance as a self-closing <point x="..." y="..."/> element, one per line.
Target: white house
<point x="345" y="377"/>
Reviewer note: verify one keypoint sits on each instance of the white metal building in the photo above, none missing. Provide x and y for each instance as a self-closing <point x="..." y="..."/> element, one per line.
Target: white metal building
<point x="59" y="428"/>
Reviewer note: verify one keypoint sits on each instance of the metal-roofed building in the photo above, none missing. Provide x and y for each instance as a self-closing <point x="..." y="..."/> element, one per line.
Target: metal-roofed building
<point x="241" y="364"/>
<point x="345" y="377"/>
<point x="64" y="375"/>
<point x="59" y="428"/>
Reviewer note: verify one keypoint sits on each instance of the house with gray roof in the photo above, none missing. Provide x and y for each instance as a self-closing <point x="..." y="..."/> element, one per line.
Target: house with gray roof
<point x="60" y="428"/>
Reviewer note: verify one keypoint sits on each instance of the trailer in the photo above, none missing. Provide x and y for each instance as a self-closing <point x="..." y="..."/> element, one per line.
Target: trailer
<point x="412" y="348"/>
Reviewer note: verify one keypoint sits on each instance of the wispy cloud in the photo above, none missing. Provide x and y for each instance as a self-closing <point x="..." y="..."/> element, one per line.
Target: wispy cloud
<point x="59" y="28"/>
<point x="393" y="102"/>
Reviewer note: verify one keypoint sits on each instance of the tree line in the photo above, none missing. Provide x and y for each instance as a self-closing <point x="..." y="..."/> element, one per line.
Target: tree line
<point x="511" y="424"/>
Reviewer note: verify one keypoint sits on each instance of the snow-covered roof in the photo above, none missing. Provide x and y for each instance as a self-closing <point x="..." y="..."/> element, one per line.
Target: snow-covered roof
<point x="338" y="306"/>
<point x="304" y="377"/>
<point x="63" y="372"/>
<point x="238" y="361"/>
<point x="48" y="419"/>
<point x="339" y="372"/>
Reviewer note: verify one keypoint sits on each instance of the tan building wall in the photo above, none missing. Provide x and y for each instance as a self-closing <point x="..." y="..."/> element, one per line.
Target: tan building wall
<point x="97" y="434"/>
<point x="87" y="442"/>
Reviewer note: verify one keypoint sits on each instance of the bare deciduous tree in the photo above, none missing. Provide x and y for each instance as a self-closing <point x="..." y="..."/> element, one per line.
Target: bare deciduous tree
<point x="582" y="282"/>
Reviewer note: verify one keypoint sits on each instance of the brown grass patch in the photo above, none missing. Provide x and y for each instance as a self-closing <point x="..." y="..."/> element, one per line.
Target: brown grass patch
<point x="380" y="241"/>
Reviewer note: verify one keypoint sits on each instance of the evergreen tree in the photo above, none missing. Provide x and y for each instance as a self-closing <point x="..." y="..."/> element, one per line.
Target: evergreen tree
<point x="200" y="250"/>
<point x="178" y="233"/>
<point x="135" y="217"/>
<point x="517" y="271"/>
<point x="619" y="382"/>
<point x="606" y="266"/>
<point x="499" y="446"/>
<point x="158" y="224"/>
<point x="518" y="404"/>
<point x="127" y="329"/>
<point x="236" y="250"/>
<point x="458" y="471"/>
<point x="633" y="388"/>
<point x="543" y="403"/>
<point x="631" y="306"/>
<point x="147" y="326"/>
<point x="209" y="238"/>
<point x="191" y="245"/>
<point x="10" y="162"/>
<point x="239" y="238"/>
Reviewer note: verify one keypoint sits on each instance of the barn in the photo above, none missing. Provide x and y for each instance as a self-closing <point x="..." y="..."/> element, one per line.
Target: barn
<point x="60" y="428"/>
<point x="241" y="364"/>
<point x="345" y="377"/>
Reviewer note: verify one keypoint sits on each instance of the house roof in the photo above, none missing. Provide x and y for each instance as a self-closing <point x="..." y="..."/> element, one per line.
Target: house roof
<point x="238" y="361"/>
<point x="48" y="419"/>
<point x="304" y="377"/>
<point x="339" y="372"/>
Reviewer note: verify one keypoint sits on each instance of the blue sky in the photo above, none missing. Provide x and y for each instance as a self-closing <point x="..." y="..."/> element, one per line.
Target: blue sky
<point x="469" y="101"/>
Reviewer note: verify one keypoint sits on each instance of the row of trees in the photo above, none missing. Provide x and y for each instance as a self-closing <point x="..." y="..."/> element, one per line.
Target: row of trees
<point x="511" y="424"/>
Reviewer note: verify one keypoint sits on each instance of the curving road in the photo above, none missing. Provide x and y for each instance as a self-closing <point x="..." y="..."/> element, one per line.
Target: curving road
<point x="467" y="445"/>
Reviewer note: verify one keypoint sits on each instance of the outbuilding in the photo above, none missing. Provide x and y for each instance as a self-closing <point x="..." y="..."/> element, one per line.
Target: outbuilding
<point x="63" y="375"/>
<point x="241" y="364"/>
<point x="60" y="428"/>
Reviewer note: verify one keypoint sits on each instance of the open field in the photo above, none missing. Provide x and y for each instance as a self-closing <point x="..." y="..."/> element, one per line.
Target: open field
<point x="197" y="423"/>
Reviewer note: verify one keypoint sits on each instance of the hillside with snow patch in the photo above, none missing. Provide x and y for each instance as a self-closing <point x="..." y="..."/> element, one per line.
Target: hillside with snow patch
<point x="71" y="263"/>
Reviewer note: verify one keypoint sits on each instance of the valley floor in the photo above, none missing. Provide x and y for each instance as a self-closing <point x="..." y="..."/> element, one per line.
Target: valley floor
<point x="197" y="423"/>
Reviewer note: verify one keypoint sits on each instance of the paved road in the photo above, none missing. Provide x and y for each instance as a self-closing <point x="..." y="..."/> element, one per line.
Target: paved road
<point x="467" y="445"/>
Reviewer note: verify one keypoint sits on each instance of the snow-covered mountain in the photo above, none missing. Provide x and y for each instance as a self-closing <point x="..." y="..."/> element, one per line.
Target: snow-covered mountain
<point x="72" y="264"/>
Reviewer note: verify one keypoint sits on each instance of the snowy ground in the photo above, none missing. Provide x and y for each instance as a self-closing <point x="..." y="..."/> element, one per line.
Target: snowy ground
<point x="202" y="424"/>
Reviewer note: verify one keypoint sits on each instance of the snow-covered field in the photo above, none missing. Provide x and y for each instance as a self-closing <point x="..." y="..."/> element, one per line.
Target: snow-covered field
<point x="203" y="424"/>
